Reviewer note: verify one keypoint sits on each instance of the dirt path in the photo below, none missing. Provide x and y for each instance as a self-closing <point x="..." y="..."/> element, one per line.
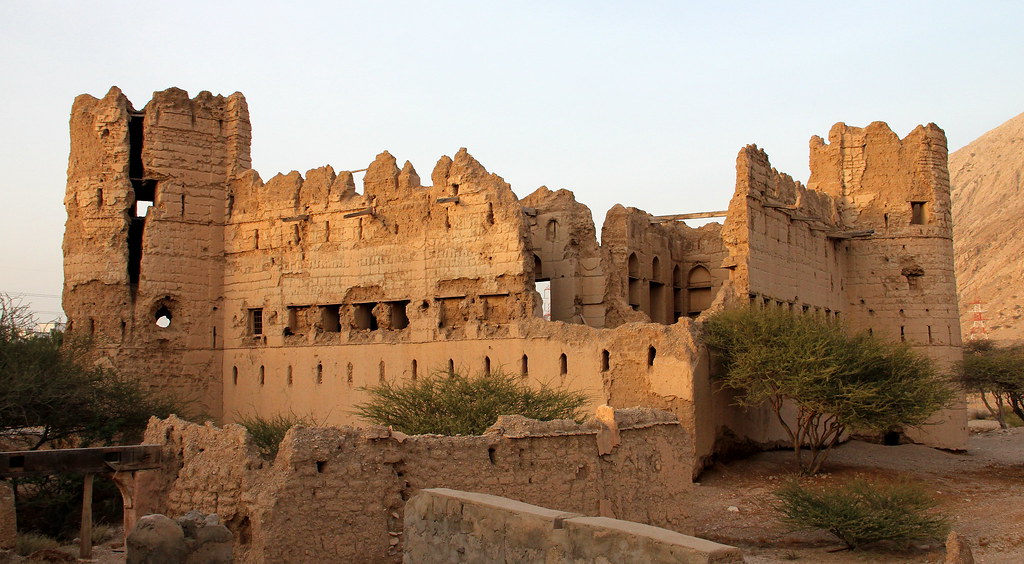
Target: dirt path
<point x="982" y="490"/>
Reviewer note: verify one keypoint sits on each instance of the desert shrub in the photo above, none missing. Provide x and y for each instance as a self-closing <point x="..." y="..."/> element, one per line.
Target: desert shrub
<point x="450" y="403"/>
<point x="859" y="512"/>
<point x="102" y="532"/>
<point x="28" y="543"/>
<point x="836" y="381"/>
<point x="268" y="432"/>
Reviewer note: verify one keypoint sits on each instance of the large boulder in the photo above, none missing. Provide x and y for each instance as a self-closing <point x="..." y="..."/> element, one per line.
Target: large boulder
<point x="193" y="538"/>
<point x="156" y="539"/>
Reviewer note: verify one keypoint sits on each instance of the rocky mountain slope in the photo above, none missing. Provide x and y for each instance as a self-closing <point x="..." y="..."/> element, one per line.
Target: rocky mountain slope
<point x="988" y="219"/>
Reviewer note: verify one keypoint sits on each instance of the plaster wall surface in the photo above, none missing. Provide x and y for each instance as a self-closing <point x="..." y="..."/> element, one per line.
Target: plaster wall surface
<point x="443" y="525"/>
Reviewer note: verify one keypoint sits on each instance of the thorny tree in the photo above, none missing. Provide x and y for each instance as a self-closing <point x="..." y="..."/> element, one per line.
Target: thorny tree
<point x="997" y="370"/>
<point x="51" y="392"/>
<point x="835" y="382"/>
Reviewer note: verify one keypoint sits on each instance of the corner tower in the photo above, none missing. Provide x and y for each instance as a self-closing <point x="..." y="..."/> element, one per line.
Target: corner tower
<point x="143" y="243"/>
<point x="894" y="194"/>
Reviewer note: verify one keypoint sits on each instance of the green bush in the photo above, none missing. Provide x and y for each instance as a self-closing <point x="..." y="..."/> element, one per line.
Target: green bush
<point x="860" y="512"/>
<point x="52" y="394"/>
<point x="449" y="403"/>
<point x="836" y="381"/>
<point x="999" y="371"/>
<point x="268" y="432"/>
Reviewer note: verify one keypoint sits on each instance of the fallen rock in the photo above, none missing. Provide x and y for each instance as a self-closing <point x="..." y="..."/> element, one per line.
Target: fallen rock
<point x="193" y="538"/>
<point x="156" y="539"/>
<point x="958" y="551"/>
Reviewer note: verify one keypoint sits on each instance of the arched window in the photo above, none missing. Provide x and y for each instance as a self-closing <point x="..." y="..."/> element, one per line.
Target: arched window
<point x="698" y="290"/>
<point x="552" y="229"/>
<point x="678" y="297"/>
<point x="633" y="275"/>
<point x="658" y="294"/>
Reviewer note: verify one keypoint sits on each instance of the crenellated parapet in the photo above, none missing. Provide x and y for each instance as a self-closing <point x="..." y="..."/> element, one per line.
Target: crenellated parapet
<point x="882" y="181"/>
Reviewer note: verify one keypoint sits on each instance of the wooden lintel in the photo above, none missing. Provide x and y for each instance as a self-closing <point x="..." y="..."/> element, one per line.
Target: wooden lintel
<point x="696" y="215"/>
<point x="849" y="234"/>
<point x="532" y="212"/>
<point x="780" y="206"/>
<point x="449" y="199"/>
<point x="364" y="211"/>
<point x="303" y="217"/>
<point x="83" y="460"/>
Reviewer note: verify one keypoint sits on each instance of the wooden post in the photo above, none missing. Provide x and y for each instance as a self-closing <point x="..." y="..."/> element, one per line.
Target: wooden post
<point x="85" y="534"/>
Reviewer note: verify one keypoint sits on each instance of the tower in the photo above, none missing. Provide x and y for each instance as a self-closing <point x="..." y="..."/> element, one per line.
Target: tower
<point x="146" y="198"/>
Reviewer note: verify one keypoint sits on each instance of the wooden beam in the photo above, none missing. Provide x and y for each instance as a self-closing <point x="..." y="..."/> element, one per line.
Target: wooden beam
<point x="849" y="234"/>
<point x="85" y="460"/>
<point x="303" y="217"/>
<point x="450" y="199"/>
<point x="364" y="211"/>
<point x="697" y="215"/>
<point x="85" y="531"/>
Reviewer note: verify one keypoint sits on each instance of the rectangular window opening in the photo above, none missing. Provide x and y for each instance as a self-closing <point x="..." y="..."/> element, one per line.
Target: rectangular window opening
<point x="298" y="322"/>
<point x="399" y="317"/>
<point x="330" y="318"/>
<point x="256" y="322"/>
<point x="363" y="317"/>
<point x="918" y="213"/>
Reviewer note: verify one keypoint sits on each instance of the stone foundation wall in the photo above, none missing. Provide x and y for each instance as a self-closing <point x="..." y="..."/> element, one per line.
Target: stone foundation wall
<point x="339" y="494"/>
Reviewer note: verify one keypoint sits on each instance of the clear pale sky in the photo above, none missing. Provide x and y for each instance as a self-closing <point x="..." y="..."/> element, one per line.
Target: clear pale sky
<point x="641" y="103"/>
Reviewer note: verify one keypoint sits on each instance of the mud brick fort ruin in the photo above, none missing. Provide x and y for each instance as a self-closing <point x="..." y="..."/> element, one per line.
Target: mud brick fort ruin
<point x="288" y="295"/>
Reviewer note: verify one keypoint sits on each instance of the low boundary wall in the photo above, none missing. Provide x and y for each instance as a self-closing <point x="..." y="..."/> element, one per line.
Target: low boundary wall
<point x="445" y="526"/>
<point x="338" y="494"/>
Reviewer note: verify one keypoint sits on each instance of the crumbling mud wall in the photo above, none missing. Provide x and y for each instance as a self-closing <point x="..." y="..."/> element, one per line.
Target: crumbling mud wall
<point x="782" y="240"/>
<point x="566" y="253"/>
<point x="340" y="494"/>
<point x="289" y="295"/>
<point x="144" y="234"/>
<point x="660" y="271"/>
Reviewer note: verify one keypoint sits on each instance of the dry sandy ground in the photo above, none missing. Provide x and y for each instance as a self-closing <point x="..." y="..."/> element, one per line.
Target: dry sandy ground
<point x="982" y="490"/>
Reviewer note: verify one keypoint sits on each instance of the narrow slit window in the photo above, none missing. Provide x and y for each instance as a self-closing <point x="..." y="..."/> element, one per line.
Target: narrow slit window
<point x="918" y="213"/>
<point x="563" y="364"/>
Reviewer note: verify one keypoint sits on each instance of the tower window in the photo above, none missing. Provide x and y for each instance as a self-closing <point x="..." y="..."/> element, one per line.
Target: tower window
<point x="918" y="213"/>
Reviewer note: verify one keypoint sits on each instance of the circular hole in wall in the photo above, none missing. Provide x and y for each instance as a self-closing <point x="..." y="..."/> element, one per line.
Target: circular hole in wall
<point x="163" y="317"/>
